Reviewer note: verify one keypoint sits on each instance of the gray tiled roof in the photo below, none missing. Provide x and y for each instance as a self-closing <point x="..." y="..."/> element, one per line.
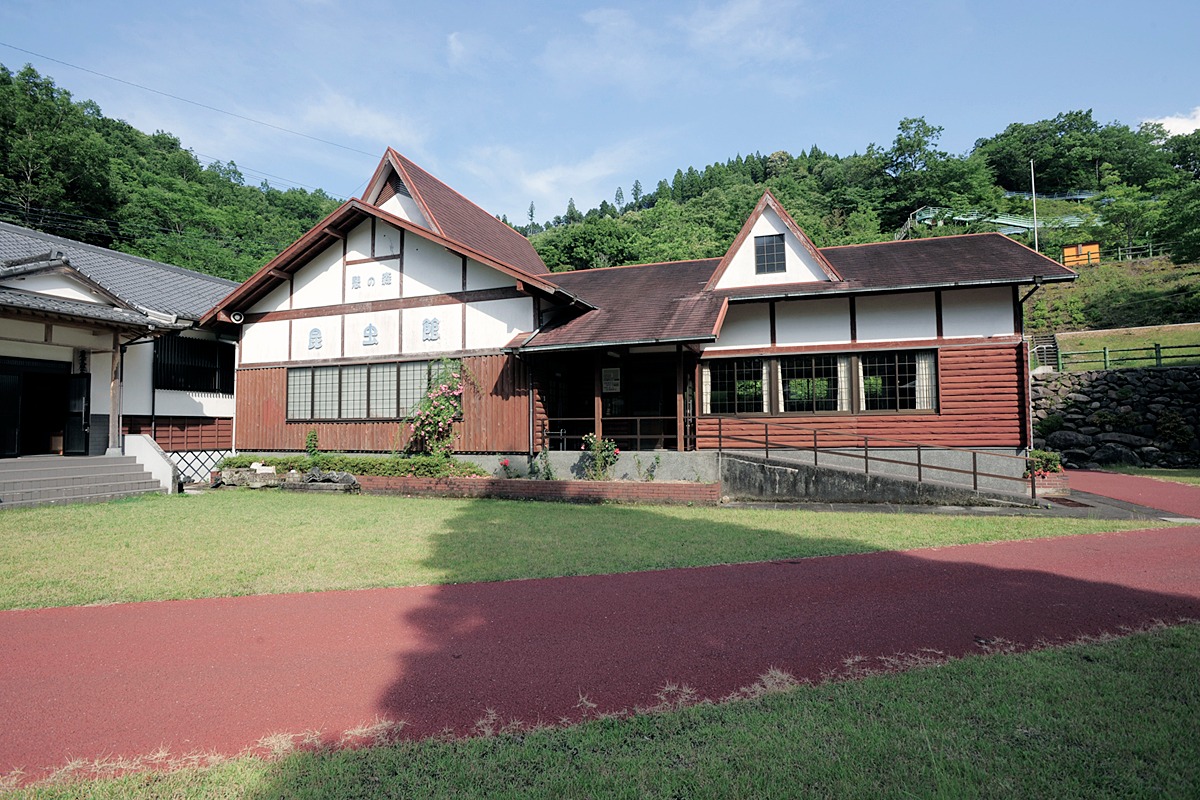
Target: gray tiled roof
<point x="28" y="301"/>
<point x="136" y="281"/>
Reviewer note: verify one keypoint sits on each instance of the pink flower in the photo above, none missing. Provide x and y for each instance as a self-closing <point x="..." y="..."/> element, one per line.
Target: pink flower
<point x="504" y="463"/>
<point x="616" y="451"/>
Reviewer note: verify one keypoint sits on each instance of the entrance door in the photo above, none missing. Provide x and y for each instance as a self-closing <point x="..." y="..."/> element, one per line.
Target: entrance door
<point x="78" y="427"/>
<point x="10" y="419"/>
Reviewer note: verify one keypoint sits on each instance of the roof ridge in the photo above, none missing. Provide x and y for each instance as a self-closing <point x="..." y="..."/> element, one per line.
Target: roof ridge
<point x="922" y="239"/>
<point x="633" y="266"/>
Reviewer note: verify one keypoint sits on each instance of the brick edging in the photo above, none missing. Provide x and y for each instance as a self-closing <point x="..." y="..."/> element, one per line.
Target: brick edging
<point x="664" y="492"/>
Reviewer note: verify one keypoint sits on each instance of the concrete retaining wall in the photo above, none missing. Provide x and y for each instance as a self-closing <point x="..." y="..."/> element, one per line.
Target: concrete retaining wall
<point x="748" y="478"/>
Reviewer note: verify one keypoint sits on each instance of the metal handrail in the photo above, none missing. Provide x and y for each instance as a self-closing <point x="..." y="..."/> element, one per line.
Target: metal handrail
<point x="879" y="442"/>
<point x="637" y="436"/>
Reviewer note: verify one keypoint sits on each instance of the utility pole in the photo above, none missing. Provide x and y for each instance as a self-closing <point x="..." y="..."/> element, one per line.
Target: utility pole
<point x="1033" y="191"/>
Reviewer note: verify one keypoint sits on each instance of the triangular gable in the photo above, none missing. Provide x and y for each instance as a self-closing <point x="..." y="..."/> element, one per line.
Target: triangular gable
<point x="393" y="191"/>
<point x="805" y="263"/>
<point x="52" y="275"/>
<point x="334" y="227"/>
<point x="448" y="213"/>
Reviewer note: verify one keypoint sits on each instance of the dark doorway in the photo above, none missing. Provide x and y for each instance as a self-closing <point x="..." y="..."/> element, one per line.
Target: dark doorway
<point x="35" y="396"/>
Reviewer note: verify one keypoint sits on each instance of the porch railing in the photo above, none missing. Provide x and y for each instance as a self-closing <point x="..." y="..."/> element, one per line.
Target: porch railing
<point x="629" y="433"/>
<point x="842" y="445"/>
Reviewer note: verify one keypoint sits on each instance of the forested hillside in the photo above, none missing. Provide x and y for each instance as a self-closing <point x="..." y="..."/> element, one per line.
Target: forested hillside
<point x="67" y="169"/>
<point x="1146" y="188"/>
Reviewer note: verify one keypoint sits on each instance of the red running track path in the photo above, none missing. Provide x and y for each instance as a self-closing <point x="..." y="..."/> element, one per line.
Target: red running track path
<point x="1177" y="498"/>
<point x="218" y="674"/>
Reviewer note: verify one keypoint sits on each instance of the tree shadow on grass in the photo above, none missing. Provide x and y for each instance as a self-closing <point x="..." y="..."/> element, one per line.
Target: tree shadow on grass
<point x="560" y="650"/>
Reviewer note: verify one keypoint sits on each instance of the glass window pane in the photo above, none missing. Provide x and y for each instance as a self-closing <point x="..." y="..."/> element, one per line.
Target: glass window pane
<point x="769" y="254"/>
<point x="325" y="393"/>
<point x="354" y="392"/>
<point x="383" y="390"/>
<point x="299" y="393"/>
<point x="414" y="383"/>
<point x="810" y="383"/>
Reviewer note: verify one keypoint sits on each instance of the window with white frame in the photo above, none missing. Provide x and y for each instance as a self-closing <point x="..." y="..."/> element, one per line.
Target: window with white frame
<point x="826" y="383"/>
<point x="770" y="255"/>
<point x="356" y="391"/>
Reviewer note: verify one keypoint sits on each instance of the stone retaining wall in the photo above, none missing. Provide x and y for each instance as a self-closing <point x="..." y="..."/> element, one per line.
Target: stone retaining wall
<point x="1143" y="417"/>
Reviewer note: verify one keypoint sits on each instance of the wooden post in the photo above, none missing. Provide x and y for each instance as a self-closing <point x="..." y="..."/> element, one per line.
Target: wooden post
<point x="598" y="406"/>
<point x="680" y="383"/>
<point x="114" y="399"/>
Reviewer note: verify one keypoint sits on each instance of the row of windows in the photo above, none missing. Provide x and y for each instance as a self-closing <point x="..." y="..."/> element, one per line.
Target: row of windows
<point x="193" y="365"/>
<point x="356" y="391"/>
<point x="893" y="381"/>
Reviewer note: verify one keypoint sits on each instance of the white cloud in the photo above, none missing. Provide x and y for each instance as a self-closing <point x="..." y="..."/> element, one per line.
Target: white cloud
<point x="746" y="31"/>
<point x="1180" y="124"/>
<point x="335" y="115"/>
<point x="513" y="178"/>
<point x="613" y="50"/>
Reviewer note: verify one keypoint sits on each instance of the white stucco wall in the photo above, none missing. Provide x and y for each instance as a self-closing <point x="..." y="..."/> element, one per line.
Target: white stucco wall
<point x="801" y="266"/>
<point x="492" y="324"/>
<point x="264" y="342"/>
<point x="46" y="352"/>
<point x="190" y="404"/>
<point x="978" y="312"/>
<point x="896" y="317"/>
<point x="386" y="338"/>
<point x="319" y="283"/>
<point x="812" y="322"/>
<point x="407" y="209"/>
<point x="278" y="299"/>
<point x="358" y="241"/>
<point x="317" y="338"/>
<point x="430" y="268"/>
<point x="448" y="329"/>
<point x="746" y="325"/>
<point x="57" y="285"/>
<point x="481" y="277"/>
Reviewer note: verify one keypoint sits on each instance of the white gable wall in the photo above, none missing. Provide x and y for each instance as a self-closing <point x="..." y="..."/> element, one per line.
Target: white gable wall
<point x="407" y="209"/>
<point x="430" y="268"/>
<point x="801" y="266"/>
<point x="56" y="284"/>
<point x="319" y="283"/>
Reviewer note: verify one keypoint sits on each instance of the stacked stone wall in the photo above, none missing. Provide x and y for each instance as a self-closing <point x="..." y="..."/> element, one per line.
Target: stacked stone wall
<point x="1143" y="417"/>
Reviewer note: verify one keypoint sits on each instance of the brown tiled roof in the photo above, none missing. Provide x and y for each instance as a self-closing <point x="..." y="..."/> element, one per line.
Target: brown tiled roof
<point x="944" y="261"/>
<point x="638" y="304"/>
<point x="457" y="218"/>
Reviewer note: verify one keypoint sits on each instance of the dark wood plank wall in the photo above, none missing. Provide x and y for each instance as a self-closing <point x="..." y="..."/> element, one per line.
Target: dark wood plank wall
<point x="495" y="418"/>
<point x="175" y="434"/>
<point x="982" y="404"/>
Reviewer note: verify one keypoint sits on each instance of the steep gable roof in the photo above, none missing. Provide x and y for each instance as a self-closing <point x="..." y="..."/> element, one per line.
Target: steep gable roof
<point x="334" y="227"/>
<point x="451" y="215"/>
<point x="768" y="200"/>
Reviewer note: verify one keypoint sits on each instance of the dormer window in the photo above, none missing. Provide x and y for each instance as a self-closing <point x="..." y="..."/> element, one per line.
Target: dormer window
<point x="769" y="254"/>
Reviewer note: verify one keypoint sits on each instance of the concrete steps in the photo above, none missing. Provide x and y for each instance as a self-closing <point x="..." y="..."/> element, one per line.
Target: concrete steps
<point x="43" y="480"/>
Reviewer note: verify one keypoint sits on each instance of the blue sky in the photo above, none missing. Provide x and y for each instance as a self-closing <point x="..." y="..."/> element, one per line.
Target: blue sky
<point x="516" y="102"/>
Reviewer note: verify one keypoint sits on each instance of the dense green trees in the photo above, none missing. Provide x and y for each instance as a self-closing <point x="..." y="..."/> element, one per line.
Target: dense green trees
<point x="1144" y="185"/>
<point x="67" y="169"/>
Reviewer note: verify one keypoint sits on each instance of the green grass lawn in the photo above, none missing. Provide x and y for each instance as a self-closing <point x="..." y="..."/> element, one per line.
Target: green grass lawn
<point x="1093" y="720"/>
<point x="1142" y="339"/>
<point x="1189" y="476"/>
<point x="238" y="542"/>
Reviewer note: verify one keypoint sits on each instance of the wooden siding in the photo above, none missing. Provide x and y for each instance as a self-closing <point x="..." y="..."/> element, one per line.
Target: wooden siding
<point x="175" y="434"/>
<point x="983" y="403"/>
<point x="495" y="414"/>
